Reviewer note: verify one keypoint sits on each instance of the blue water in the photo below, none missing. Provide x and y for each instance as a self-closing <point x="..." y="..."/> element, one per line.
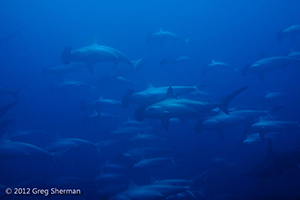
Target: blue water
<point x="234" y="32"/>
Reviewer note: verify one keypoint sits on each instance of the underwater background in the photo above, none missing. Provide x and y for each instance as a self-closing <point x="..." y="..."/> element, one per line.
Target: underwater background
<point x="238" y="33"/>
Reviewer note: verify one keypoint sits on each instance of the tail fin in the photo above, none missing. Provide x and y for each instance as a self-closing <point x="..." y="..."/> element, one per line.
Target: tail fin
<point x="245" y="70"/>
<point x="126" y="98"/>
<point x="136" y="64"/>
<point x="279" y="36"/>
<point x="226" y="100"/>
<point x="198" y="87"/>
<point x="149" y="37"/>
<point x="139" y="113"/>
<point x="65" y="55"/>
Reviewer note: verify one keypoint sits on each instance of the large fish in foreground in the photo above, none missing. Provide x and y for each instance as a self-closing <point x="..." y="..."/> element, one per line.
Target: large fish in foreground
<point x="172" y="107"/>
<point x="93" y="54"/>
<point x="155" y="94"/>
<point x="163" y="36"/>
<point x="269" y="64"/>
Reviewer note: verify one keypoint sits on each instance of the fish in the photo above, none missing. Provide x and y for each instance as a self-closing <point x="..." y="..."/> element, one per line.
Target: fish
<point x="61" y="69"/>
<point x="148" y="152"/>
<point x="269" y="126"/>
<point x="145" y="139"/>
<point x="216" y="66"/>
<point x="172" y="107"/>
<point x="235" y="117"/>
<point x="64" y="145"/>
<point x="147" y="192"/>
<point x="255" y="137"/>
<point x="70" y="85"/>
<point x="163" y="36"/>
<point x="99" y="104"/>
<point x="155" y="94"/>
<point x="21" y="150"/>
<point x="95" y="117"/>
<point x="128" y="132"/>
<point x="133" y="123"/>
<point x="108" y="178"/>
<point x="153" y="162"/>
<point x="108" y="79"/>
<point x="291" y="32"/>
<point x="93" y="54"/>
<point x="273" y="95"/>
<point x="269" y="64"/>
<point x="294" y="54"/>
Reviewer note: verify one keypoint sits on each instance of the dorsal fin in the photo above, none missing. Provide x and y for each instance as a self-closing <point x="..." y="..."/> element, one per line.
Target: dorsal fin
<point x="160" y="30"/>
<point x="101" y="97"/>
<point x="150" y="86"/>
<point x="292" y="51"/>
<point x="170" y="93"/>
<point x="212" y="60"/>
<point x="94" y="41"/>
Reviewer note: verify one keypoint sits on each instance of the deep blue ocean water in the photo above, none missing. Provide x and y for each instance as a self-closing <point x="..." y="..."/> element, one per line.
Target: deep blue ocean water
<point x="32" y="37"/>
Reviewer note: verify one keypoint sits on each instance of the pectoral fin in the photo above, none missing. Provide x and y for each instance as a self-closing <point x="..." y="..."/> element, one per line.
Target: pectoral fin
<point x="98" y="111"/>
